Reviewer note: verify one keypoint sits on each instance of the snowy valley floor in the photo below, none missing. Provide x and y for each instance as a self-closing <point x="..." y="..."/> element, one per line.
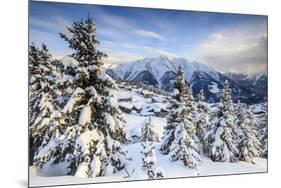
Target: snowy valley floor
<point x="172" y="170"/>
<point x="175" y="169"/>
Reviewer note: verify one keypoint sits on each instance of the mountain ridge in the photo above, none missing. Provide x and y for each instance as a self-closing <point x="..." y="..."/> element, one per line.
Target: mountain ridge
<point x="160" y="72"/>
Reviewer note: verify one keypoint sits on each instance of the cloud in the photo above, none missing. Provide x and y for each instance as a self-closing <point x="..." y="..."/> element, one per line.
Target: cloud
<point x="38" y="37"/>
<point x="111" y="20"/>
<point x="115" y="26"/>
<point x="42" y="23"/>
<point x="130" y="51"/>
<point x="149" y="34"/>
<point x="109" y="32"/>
<point x="106" y="44"/>
<point x="156" y="52"/>
<point x="55" y="23"/>
<point x="216" y="36"/>
<point x="120" y="57"/>
<point x="226" y="44"/>
<point x="238" y="50"/>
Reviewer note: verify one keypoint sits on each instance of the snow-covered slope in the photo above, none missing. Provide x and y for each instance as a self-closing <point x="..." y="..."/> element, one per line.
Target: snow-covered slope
<point x="172" y="170"/>
<point x="54" y="175"/>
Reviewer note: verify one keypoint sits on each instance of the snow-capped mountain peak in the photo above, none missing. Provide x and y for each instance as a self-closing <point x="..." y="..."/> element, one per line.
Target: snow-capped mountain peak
<point x="158" y="66"/>
<point x="161" y="72"/>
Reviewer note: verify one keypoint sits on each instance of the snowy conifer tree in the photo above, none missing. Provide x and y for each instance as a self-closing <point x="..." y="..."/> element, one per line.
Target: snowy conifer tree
<point x="248" y="145"/>
<point x="241" y="117"/>
<point x="147" y="132"/>
<point x="37" y="67"/>
<point x="201" y="118"/>
<point x="149" y="161"/>
<point x="221" y="139"/>
<point x="261" y="131"/>
<point x="179" y="134"/>
<point x="87" y="131"/>
<point x="63" y="82"/>
<point x="42" y="86"/>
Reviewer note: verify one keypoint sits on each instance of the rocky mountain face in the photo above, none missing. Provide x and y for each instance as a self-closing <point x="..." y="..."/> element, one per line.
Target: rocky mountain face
<point x="161" y="71"/>
<point x="257" y="83"/>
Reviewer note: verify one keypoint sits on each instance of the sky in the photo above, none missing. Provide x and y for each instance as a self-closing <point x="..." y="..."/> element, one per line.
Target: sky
<point x="226" y="42"/>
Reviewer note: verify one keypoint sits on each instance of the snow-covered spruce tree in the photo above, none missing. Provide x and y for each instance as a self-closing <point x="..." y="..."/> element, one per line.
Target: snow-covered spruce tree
<point x="37" y="69"/>
<point x="91" y="127"/>
<point x="147" y="132"/>
<point x="41" y="95"/>
<point x="241" y="116"/>
<point x="264" y="138"/>
<point x="34" y="58"/>
<point x="179" y="134"/>
<point x="261" y="131"/>
<point x="221" y="139"/>
<point x="61" y="91"/>
<point x="149" y="161"/>
<point x="201" y="118"/>
<point x="248" y="145"/>
<point x="63" y="82"/>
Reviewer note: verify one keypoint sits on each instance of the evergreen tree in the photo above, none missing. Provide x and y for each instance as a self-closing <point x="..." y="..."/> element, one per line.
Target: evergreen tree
<point x="221" y="139"/>
<point x="86" y="133"/>
<point x="248" y="146"/>
<point x="179" y="134"/>
<point x="149" y="161"/>
<point x="64" y="78"/>
<point x="261" y="131"/>
<point x="147" y="132"/>
<point x="36" y="69"/>
<point x="201" y="118"/>
<point x="41" y="95"/>
<point x="34" y="59"/>
<point x="241" y="117"/>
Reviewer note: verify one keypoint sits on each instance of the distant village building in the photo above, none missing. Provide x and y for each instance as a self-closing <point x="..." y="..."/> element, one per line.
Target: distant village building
<point x="155" y="109"/>
<point x="156" y="99"/>
<point x="160" y="111"/>
<point x="165" y="101"/>
<point x="135" y="87"/>
<point x="159" y="99"/>
<point x="147" y="113"/>
<point x="129" y="88"/>
<point x="125" y="98"/>
<point x="126" y="107"/>
<point x="147" y="94"/>
<point x="137" y="108"/>
<point x="122" y="85"/>
<point x="139" y="91"/>
<point x="163" y="113"/>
